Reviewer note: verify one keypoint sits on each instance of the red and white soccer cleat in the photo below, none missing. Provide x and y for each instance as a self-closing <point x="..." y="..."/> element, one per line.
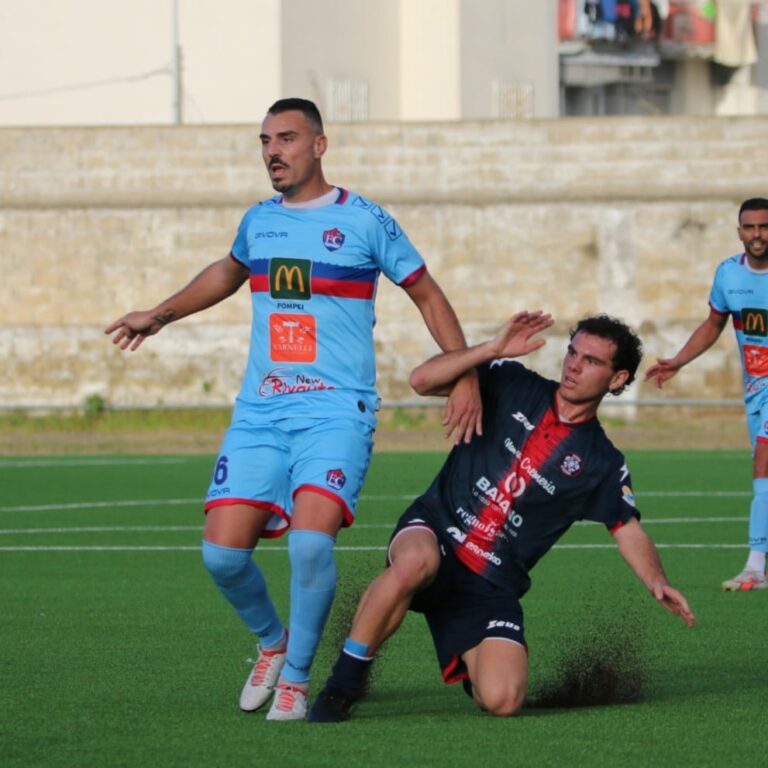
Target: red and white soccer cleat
<point x="746" y="581"/>
<point x="290" y="703"/>
<point x="262" y="680"/>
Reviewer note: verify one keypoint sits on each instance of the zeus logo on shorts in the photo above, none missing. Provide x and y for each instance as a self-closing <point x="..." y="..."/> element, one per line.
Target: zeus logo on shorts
<point x="335" y="479"/>
<point x="493" y="623"/>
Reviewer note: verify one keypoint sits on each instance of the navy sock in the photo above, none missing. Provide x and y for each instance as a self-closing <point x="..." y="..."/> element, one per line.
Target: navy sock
<point x="350" y="675"/>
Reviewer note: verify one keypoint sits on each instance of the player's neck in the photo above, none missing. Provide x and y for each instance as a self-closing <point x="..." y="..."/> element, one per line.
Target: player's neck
<point x="311" y="190"/>
<point x="575" y="412"/>
<point x="329" y="198"/>
<point x="756" y="265"/>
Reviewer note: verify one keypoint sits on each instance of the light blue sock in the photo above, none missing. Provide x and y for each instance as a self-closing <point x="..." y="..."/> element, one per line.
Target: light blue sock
<point x="358" y="650"/>
<point x="758" y="516"/>
<point x="313" y="584"/>
<point x="242" y="583"/>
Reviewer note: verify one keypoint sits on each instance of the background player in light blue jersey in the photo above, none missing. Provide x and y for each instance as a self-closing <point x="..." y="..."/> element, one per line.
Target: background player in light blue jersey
<point x="740" y="291"/>
<point x="299" y="443"/>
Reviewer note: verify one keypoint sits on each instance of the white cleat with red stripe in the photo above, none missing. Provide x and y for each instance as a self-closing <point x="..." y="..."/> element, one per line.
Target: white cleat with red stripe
<point x="262" y="681"/>
<point x="746" y="581"/>
<point x="290" y="703"/>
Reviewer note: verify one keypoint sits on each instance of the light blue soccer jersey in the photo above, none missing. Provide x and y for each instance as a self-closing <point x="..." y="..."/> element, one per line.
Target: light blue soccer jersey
<point x="742" y="293"/>
<point x="313" y="278"/>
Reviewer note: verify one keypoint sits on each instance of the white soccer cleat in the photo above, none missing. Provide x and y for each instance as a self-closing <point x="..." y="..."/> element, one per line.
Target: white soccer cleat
<point x="290" y="703"/>
<point x="262" y="680"/>
<point x="746" y="581"/>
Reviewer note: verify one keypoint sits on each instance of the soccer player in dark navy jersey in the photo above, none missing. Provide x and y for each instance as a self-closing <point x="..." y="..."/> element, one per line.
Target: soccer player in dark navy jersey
<point x="301" y="435"/>
<point x="462" y="552"/>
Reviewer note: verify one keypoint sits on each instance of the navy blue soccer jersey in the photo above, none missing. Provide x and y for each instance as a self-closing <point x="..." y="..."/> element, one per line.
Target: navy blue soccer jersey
<point x="502" y="501"/>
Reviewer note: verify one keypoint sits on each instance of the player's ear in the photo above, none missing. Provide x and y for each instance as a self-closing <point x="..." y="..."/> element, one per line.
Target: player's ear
<point x="618" y="380"/>
<point x="321" y="144"/>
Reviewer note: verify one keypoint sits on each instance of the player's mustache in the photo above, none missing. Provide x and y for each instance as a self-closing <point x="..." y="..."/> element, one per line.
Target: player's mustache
<point x="275" y="163"/>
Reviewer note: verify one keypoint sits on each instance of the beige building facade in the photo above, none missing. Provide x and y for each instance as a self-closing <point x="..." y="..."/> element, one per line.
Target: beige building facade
<point x="623" y="215"/>
<point x="102" y="62"/>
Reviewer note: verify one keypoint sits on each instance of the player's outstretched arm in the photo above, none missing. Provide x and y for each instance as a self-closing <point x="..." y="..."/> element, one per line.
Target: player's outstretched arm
<point x="698" y="343"/>
<point x="437" y="375"/>
<point x="642" y="557"/>
<point x="463" y="415"/>
<point x="216" y="282"/>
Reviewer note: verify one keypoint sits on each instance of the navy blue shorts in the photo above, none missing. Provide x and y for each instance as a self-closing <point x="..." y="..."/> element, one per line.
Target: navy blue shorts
<point x="461" y="608"/>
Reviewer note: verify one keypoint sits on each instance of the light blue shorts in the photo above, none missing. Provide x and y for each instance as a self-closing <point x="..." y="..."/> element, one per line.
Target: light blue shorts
<point x="757" y="423"/>
<point x="266" y="465"/>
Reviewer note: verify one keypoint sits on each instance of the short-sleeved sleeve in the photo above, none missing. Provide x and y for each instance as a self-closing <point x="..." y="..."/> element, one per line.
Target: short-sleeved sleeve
<point x="717" y="300"/>
<point x="239" y="250"/>
<point x="396" y="256"/>
<point x="613" y="501"/>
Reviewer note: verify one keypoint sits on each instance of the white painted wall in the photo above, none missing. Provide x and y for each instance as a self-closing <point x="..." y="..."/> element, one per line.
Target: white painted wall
<point x="342" y="39"/>
<point x="430" y="60"/>
<point x="107" y="62"/>
<point x="101" y="62"/>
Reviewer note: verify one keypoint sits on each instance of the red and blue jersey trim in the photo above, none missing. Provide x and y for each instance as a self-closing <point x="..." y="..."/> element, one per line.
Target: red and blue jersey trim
<point x="413" y="277"/>
<point x="327" y="280"/>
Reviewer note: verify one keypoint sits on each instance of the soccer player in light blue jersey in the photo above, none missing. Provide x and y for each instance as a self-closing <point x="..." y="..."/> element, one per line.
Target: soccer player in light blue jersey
<point x="740" y="291"/>
<point x="298" y="446"/>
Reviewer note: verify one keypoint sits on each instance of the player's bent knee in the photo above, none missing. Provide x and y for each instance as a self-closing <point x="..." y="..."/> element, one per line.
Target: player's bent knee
<point x="411" y="572"/>
<point x="508" y="708"/>
<point x="225" y="564"/>
<point x="500" y="700"/>
<point x="311" y="549"/>
<point x="499" y="697"/>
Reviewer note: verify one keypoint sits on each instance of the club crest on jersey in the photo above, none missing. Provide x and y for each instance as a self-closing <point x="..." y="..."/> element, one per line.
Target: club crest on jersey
<point x="335" y="479"/>
<point x="572" y="465"/>
<point x="333" y="239"/>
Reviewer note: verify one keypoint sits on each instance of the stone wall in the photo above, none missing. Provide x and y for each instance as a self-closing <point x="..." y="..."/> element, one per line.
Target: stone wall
<point x="624" y="215"/>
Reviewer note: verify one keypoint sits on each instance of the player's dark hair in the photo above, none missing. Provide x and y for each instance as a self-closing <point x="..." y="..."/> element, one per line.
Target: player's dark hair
<point x="753" y="204"/>
<point x="629" y="348"/>
<point x="305" y="106"/>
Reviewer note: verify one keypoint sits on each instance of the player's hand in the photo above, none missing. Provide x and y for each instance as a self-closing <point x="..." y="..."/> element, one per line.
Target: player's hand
<point x="130" y="330"/>
<point x="662" y="371"/>
<point x="463" y="415"/>
<point x="514" y="338"/>
<point x="674" y="602"/>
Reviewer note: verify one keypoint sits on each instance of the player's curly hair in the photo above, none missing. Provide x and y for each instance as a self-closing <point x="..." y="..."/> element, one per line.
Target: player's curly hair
<point x="629" y="348"/>
<point x="307" y="107"/>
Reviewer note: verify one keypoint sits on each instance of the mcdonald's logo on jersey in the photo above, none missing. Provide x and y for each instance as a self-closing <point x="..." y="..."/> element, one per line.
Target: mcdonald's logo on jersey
<point x="290" y="278"/>
<point x="754" y="322"/>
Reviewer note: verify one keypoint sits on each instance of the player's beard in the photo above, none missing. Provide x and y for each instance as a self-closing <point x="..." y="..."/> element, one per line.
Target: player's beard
<point x="761" y="256"/>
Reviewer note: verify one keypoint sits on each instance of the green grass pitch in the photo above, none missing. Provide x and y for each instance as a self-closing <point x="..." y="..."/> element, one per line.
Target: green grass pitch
<point x="116" y="650"/>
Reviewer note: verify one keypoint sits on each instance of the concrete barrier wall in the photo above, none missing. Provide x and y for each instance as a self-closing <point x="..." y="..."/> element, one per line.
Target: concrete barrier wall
<point x="624" y="215"/>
